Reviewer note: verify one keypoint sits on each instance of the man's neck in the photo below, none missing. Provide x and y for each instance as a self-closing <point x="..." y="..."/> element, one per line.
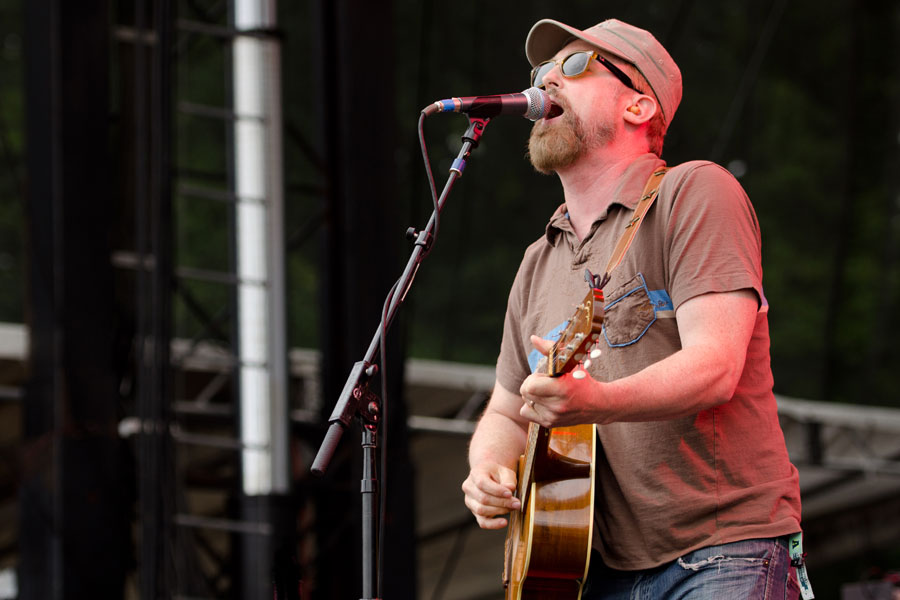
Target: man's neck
<point x="589" y="185"/>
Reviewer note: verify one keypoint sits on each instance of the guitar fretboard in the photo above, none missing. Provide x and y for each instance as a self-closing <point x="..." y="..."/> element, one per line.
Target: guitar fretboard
<point x="525" y="477"/>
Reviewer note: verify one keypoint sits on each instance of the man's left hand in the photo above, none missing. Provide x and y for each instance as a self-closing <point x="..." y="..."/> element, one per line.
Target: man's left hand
<point x="560" y="401"/>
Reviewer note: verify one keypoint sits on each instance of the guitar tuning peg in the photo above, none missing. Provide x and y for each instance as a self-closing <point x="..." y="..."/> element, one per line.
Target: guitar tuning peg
<point x="595" y="353"/>
<point x="587" y="364"/>
<point x="579" y="374"/>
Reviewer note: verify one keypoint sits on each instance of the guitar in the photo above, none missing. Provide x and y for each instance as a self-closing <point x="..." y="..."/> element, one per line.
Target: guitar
<point x="548" y="540"/>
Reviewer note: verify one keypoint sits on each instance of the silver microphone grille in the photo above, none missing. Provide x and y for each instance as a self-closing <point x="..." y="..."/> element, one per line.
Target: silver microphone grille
<point x="539" y="103"/>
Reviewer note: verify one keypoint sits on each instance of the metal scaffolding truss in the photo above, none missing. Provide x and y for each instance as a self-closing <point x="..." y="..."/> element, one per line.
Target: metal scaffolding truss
<point x="848" y="457"/>
<point x="212" y="444"/>
<point x="849" y="462"/>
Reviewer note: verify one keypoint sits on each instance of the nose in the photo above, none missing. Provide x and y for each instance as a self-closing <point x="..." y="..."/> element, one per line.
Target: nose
<point x="553" y="77"/>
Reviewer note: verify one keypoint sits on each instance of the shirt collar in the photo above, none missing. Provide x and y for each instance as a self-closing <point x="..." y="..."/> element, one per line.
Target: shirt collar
<point x="627" y="194"/>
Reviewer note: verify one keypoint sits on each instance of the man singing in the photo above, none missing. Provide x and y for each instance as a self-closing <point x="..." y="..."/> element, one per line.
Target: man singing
<point x="695" y="494"/>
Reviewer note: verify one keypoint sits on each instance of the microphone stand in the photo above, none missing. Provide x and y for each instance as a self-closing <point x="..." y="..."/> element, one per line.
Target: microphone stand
<point x="357" y="400"/>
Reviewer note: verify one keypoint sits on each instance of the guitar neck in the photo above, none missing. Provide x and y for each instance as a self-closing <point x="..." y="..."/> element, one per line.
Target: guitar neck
<point x="582" y="332"/>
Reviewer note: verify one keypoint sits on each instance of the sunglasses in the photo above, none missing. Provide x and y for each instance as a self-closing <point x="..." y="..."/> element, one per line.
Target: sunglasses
<point x="576" y="65"/>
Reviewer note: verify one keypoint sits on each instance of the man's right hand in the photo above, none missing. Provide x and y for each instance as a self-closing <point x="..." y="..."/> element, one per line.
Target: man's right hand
<point x="489" y="493"/>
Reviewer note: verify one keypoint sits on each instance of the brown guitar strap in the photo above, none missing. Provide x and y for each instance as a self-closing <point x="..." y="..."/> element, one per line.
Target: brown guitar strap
<point x="651" y="191"/>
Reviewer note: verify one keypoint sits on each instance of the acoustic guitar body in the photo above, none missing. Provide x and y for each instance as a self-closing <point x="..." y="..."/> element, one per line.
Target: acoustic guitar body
<point x="549" y="540"/>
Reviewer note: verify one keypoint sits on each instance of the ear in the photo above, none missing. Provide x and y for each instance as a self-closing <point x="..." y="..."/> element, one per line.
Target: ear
<point x="640" y="109"/>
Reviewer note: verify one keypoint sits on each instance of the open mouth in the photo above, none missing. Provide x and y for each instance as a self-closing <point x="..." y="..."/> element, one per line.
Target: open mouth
<point x="556" y="110"/>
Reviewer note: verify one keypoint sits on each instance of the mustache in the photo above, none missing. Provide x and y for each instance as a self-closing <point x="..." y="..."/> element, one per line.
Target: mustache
<point x="557" y="99"/>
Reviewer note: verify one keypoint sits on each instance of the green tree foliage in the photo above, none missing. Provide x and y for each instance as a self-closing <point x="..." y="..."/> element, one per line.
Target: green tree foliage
<point x="799" y="99"/>
<point x="813" y="138"/>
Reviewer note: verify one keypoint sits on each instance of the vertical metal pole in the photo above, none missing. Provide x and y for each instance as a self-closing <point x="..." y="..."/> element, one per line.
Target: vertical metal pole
<point x="72" y="517"/>
<point x="369" y="489"/>
<point x="260" y="249"/>
<point x="41" y="562"/>
<point x="262" y="345"/>
<point x="151" y="123"/>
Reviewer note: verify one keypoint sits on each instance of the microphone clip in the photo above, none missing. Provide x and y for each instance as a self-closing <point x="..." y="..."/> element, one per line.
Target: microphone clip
<point x="421" y="238"/>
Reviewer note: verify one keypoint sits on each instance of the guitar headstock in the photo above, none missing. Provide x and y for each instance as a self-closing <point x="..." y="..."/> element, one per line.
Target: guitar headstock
<point x="580" y="336"/>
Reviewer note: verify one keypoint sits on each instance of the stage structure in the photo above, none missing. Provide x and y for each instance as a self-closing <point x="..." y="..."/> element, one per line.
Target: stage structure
<point x="212" y="451"/>
<point x="72" y="463"/>
<point x="220" y="509"/>
<point x="262" y="328"/>
<point x="156" y="216"/>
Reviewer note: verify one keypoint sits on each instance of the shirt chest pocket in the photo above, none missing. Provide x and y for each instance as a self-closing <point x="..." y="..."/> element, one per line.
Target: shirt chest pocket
<point x="628" y="314"/>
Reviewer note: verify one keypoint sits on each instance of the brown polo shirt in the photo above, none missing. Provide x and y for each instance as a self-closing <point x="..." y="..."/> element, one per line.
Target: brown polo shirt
<point x="665" y="488"/>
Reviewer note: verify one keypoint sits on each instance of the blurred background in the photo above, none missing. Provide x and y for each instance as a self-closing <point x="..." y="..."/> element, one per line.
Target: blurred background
<point x="204" y="204"/>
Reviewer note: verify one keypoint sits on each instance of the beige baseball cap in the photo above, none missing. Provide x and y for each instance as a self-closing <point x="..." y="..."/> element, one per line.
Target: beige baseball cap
<point x="627" y="42"/>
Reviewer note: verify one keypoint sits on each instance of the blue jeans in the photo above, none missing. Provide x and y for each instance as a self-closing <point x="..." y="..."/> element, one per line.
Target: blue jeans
<point x="749" y="569"/>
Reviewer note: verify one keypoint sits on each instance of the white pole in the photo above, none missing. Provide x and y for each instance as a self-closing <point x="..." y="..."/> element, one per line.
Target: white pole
<point x="260" y="250"/>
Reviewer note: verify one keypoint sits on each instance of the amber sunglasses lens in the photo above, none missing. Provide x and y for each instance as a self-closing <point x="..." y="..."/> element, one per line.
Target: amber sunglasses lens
<point x="572" y="66"/>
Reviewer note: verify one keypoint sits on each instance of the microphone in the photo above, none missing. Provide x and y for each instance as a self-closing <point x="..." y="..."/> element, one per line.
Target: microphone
<point x="533" y="104"/>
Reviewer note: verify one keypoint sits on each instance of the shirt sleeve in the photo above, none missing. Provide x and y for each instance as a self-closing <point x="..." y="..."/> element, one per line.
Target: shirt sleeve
<point x="713" y="238"/>
<point x="512" y="363"/>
